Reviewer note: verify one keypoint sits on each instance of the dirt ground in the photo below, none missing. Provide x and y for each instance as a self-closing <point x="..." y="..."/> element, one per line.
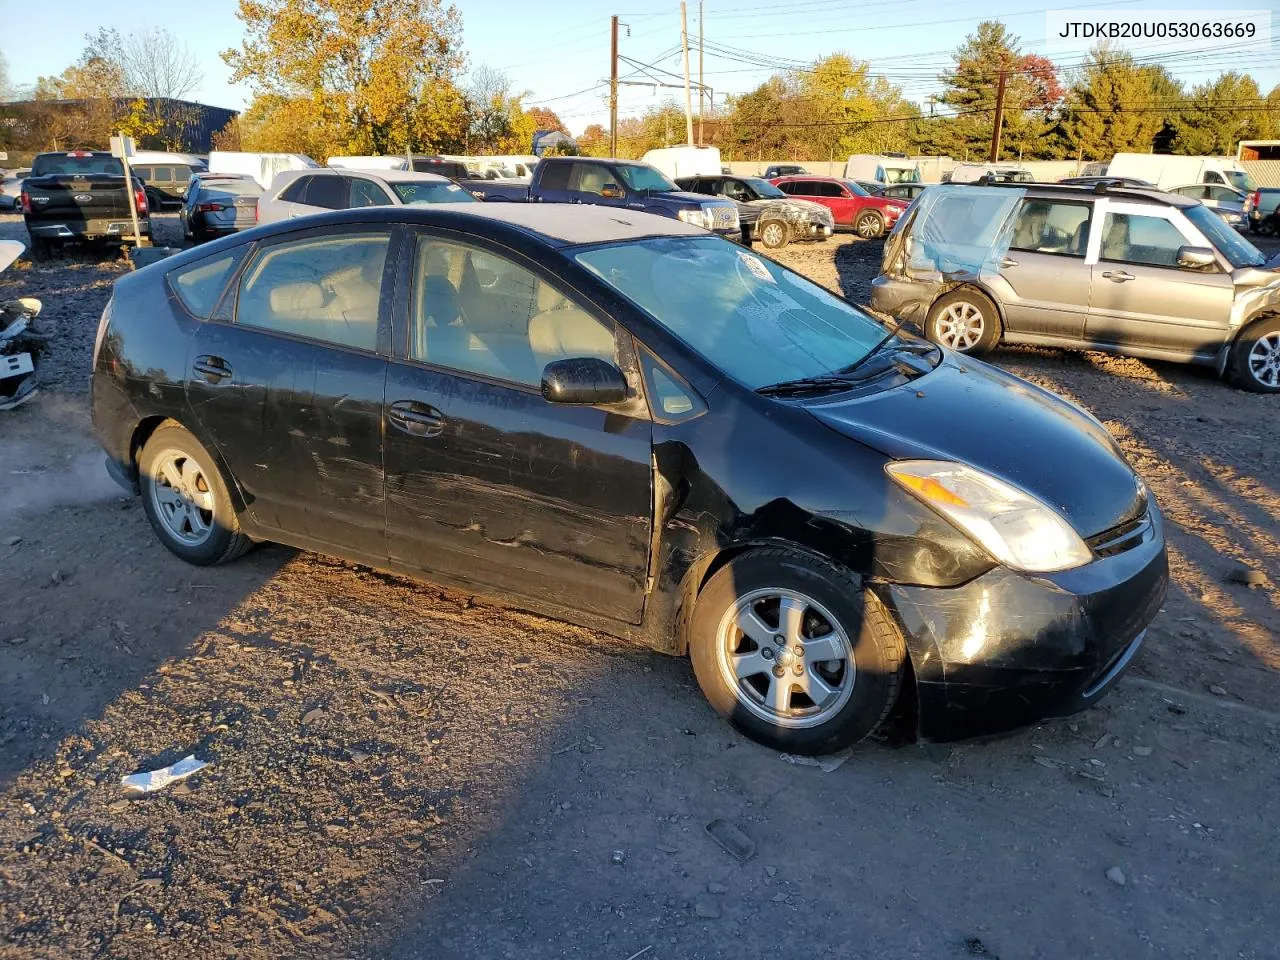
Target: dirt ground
<point x="399" y="771"/>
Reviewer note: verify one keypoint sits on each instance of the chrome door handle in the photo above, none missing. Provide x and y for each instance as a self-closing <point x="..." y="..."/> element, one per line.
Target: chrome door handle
<point x="417" y="419"/>
<point x="1118" y="276"/>
<point x="213" y="369"/>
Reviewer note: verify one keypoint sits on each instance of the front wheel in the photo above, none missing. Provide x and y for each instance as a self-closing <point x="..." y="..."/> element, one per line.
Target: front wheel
<point x="773" y="234"/>
<point x="869" y="225"/>
<point x="791" y="650"/>
<point x="965" y="320"/>
<point x="1255" y="357"/>
<point x="186" y="500"/>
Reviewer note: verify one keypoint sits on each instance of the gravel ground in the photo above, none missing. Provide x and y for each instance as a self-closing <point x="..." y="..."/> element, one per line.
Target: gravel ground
<point x="398" y="771"/>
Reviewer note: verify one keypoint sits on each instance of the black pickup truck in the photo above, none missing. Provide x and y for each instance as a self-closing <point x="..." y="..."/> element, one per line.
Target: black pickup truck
<point x="612" y="183"/>
<point x="79" y="195"/>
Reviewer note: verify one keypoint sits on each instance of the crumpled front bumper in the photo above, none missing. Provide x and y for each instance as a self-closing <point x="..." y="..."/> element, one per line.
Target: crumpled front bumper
<point x="1009" y="649"/>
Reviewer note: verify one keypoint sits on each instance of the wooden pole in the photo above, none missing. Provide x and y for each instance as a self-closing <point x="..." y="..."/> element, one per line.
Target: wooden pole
<point x="688" y="95"/>
<point x="613" y="86"/>
<point x="999" y="121"/>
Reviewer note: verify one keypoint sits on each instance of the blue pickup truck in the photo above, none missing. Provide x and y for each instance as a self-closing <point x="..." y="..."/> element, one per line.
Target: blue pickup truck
<point x="613" y="183"/>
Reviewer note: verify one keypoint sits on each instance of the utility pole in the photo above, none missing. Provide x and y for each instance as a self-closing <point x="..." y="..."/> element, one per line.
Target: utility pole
<point x="701" y="88"/>
<point x="688" y="95"/>
<point x="999" y="122"/>
<point x="613" y="85"/>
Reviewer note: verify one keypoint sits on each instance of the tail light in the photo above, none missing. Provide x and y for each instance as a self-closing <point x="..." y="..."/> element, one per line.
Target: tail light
<point x="1257" y="199"/>
<point x="140" y="198"/>
<point x="255" y="211"/>
<point x="209" y="207"/>
<point x="26" y="202"/>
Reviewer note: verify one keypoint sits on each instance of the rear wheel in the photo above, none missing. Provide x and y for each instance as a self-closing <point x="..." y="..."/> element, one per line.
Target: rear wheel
<point x="773" y="234"/>
<point x="869" y="225"/>
<point x="964" y="320"/>
<point x="1255" y="357"/>
<point x="41" y="248"/>
<point x="186" y="500"/>
<point x="791" y="650"/>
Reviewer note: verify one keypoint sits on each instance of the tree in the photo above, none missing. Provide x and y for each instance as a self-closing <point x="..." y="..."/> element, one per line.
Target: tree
<point x="229" y="137"/>
<point x="157" y="64"/>
<point x="490" y="103"/>
<point x="753" y="125"/>
<point x="1111" y="107"/>
<point x="594" y="141"/>
<point x="1219" y="114"/>
<point x="845" y="111"/>
<point x="378" y="75"/>
<point x="547" y="120"/>
<point x="6" y="86"/>
<point x="1031" y="93"/>
<point x="1268" y="121"/>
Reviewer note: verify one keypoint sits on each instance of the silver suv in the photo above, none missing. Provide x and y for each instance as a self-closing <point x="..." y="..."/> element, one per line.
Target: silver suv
<point x="1120" y="269"/>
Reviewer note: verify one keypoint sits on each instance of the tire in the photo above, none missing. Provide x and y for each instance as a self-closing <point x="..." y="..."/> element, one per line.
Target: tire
<point x="869" y="225"/>
<point x="773" y="234"/>
<point x="154" y="201"/>
<point x="965" y="321"/>
<point x="1254" y="363"/>
<point x="857" y="694"/>
<point x="41" y="249"/>
<point x="202" y="528"/>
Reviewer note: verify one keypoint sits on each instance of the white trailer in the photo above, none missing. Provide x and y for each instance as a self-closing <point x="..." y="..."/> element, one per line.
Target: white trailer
<point x="881" y="168"/>
<point x="263" y="167"/>
<point x="685" y="161"/>
<point x="367" y="163"/>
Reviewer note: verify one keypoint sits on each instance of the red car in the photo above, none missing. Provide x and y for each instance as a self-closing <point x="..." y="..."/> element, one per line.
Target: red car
<point x="869" y="216"/>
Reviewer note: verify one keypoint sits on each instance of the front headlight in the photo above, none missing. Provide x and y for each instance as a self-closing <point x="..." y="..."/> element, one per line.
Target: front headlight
<point x="1013" y="526"/>
<point x="699" y="217"/>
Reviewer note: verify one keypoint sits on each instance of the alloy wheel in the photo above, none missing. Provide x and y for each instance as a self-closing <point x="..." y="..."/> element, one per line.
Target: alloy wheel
<point x="772" y="235"/>
<point x="182" y="497"/>
<point x="1264" y="360"/>
<point x="960" y="326"/>
<point x="868" y="228"/>
<point x="786" y="658"/>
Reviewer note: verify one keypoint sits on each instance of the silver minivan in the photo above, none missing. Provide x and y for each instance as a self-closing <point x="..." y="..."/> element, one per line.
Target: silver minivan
<point x="1123" y="270"/>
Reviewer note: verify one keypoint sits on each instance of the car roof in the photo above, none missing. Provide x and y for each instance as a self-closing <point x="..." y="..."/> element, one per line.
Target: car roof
<point x="1082" y="191"/>
<point x="814" y="176"/>
<point x="557" y="224"/>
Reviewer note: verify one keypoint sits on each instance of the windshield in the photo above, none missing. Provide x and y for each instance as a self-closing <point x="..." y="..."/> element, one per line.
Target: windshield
<point x="856" y="190"/>
<point x="1238" y="251"/>
<point x="240" y="188"/>
<point x="56" y="164"/>
<point x="901" y="175"/>
<point x="1240" y="180"/>
<point x="764" y="189"/>
<point x="758" y="322"/>
<point x="416" y="194"/>
<point x="645" y="178"/>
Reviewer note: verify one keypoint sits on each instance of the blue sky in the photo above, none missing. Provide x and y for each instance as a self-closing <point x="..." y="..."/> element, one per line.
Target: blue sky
<point x="560" y="51"/>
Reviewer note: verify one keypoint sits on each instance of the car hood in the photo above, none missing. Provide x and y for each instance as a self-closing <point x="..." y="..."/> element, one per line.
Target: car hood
<point x="698" y="198"/>
<point x="967" y="411"/>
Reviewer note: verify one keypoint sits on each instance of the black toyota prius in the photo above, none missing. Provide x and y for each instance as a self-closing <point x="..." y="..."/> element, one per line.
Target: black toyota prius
<point x="628" y="423"/>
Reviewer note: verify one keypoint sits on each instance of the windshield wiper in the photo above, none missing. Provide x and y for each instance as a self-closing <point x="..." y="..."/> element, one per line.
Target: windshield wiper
<point x="826" y="383"/>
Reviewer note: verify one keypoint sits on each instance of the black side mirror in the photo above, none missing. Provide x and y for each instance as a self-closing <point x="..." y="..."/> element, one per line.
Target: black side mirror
<point x="583" y="381"/>
<point x="1196" y="258"/>
<point x="611" y="191"/>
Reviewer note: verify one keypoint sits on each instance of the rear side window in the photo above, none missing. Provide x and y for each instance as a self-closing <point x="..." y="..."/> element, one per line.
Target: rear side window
<point x="324" y="288"/>
<point x="164" y="174"/>
<point x="295" y="191"/>
<point x="1046" y="227"/>
<point x="199" y="285"/>
<point x="146" y="173"/>
<point x="555" y="176"/>
<point x="328" y="192"/>
<point x="181" y="173"/>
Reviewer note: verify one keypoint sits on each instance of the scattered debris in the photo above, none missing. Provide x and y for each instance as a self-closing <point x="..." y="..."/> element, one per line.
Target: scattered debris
<point x="771" y="871"/>
<point x="1047" y="762"/>
<point x="714" y="887"/>
<point x="316" y="713"/>
<point x="1116" y="876"/>
<point x="619" y="857"/>
<point x="778" y="898"/>
<point x="1142" y="751"/>
<point x="736" y="843"/>
<point x="640" y="953"/>
<point x="976" y="948"/>
<point x="706" y="907"/>
<point x="20" y="341"/>
<point x="12" y="541"/>
<point x="159" y="779"/>
<point x="1217" y="689"/>
<point x="826" y="764"/>
<point x="1102" y="741"/>
<point x="1246" y="575"/>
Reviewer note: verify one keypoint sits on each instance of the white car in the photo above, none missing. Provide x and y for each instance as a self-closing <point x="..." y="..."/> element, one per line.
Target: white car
<point x="297" y="193"/>
<point x="1227" y="202"/>
<point x="11" y="188"/>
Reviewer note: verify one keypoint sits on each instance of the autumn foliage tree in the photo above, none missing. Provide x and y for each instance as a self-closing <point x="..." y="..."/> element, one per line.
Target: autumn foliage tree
<point x="352" y="76"/>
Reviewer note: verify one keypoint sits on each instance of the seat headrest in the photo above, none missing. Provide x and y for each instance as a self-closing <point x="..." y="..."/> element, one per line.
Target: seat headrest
<point x="549" y="298"/>
<point x="569" y="333"/>
<point x="295" y="298"/>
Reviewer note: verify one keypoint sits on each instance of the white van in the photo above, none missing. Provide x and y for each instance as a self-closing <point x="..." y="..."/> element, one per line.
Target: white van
<point x="261" y="166"/>
<point x="368" y="163"/>
<point x="678" y="162"/>
<point x="196" y="163"/>
<point x="1002" y="172"/>
<point x="1168" y="171"/>
<point x="882" y="169"/>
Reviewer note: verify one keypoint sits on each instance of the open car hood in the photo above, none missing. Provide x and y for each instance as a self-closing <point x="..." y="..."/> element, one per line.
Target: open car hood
<point x="967" y="411"/>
